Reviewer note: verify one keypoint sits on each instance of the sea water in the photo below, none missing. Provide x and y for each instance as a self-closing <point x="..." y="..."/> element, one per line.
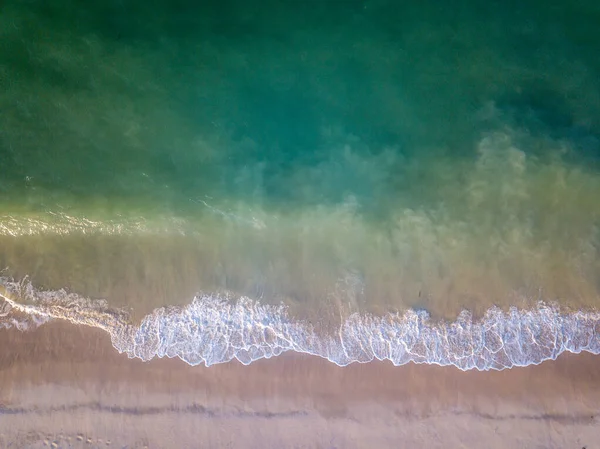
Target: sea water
<point x="356" y="180"/>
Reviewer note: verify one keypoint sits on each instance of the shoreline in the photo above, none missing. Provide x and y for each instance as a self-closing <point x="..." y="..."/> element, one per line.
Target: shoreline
<point x="214" y="330"/>
<point x="66" y="379"/>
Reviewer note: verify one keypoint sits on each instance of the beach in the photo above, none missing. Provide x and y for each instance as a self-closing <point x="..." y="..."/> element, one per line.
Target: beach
<point x="67" y="385"/>
<point x="299" y="224"/>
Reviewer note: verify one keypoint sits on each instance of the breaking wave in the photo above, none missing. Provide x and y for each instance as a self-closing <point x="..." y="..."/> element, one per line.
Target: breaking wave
<point x="214" y="329"/>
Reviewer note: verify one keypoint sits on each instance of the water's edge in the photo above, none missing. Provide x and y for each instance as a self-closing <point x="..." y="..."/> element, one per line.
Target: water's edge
<point x="214" y="329"/>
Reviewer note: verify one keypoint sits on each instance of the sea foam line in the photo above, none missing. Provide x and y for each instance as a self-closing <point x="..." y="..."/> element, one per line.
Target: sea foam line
<point x="213" y="329"/>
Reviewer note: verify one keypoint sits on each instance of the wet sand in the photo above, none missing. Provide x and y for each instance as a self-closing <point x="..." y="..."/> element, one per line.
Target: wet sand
<point x="66" y="385"/>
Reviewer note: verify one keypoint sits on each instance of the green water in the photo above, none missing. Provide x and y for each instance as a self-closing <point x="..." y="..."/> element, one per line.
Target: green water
<point x="430" y="153"/>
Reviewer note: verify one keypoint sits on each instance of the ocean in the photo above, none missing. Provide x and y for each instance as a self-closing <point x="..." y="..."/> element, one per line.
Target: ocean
<point x="354" y="180"/>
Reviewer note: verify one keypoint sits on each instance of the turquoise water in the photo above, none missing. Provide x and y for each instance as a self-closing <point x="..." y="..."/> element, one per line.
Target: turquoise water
<point x="288" y="103"/>
<point x="345" y="159"/>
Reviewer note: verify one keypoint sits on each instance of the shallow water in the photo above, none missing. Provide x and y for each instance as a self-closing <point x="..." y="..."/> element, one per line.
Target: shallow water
<point x="342" y="159"/>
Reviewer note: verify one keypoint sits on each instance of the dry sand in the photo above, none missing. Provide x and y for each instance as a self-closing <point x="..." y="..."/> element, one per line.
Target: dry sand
<point x="65" y="386"/>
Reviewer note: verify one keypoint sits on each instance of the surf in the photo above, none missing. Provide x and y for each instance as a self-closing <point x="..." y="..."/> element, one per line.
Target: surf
<point x="215" y="329"/>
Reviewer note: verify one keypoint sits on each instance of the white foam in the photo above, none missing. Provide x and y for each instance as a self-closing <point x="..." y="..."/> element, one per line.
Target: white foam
<point x="215" y="329"/>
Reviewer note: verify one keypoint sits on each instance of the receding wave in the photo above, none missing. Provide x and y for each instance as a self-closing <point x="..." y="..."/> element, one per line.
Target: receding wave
<point x="214" y="329"/>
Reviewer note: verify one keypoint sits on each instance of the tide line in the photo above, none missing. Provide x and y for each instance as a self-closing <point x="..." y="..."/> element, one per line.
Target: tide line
<point x="214" y="329"/>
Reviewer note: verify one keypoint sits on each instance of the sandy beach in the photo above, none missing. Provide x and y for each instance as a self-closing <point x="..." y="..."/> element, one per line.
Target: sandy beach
<point x="65" y="386"/>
